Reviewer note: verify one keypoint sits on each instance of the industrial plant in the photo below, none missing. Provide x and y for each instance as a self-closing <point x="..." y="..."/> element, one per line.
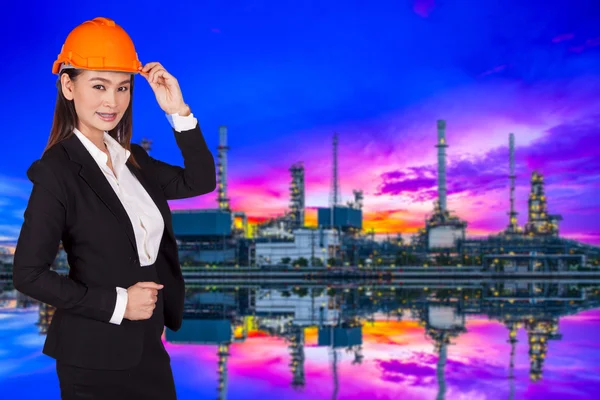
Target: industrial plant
<point x="442" y="229"/>
<point x="272" y="277"/>
<point x="223" y="237"/>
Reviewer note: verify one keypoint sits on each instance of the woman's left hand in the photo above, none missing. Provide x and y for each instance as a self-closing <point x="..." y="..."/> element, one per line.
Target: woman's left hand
<point x="165" y="87"/>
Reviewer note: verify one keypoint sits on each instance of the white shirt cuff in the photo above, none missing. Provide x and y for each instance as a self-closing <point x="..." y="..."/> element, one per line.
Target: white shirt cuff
<point x="180" y="123"/>
<point x="120" y="307"/>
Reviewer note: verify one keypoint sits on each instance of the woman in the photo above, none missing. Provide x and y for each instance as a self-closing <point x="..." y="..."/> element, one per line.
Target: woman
<point x="106" y="199"/>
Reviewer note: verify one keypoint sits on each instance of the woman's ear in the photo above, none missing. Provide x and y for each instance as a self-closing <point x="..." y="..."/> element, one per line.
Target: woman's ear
<point x="66" y="85"/>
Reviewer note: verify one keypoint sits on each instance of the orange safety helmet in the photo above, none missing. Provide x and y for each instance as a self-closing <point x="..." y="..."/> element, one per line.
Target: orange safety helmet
<point x="99" y="44"/>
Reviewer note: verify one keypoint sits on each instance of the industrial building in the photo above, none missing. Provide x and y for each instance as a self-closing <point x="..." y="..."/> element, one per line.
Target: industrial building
<point x="540" y="234"/>
<point x="297" y="196"/>
<point x="540" y="223"/>
<point x="286" y="237"/>
<point x="513" y="229"/>
<point x="444" y="232"/>
<point x="309" y="244"/>
<point x="299" y="310"/>
<point x="212" y="235"/>
<point x="191" y="225"/>
<point x="344" y="218"/>
<point x="442" y="228"/>
<point x="223" y="236"/>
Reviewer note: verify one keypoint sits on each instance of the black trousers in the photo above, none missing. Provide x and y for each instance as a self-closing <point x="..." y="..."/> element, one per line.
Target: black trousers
<point x="152" y="378"/>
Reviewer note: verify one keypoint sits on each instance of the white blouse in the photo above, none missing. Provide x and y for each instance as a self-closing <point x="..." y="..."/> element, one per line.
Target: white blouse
<point x="145" y="217"/>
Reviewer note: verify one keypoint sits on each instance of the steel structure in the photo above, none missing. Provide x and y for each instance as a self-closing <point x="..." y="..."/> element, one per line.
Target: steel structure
<point x="513" y="226"/>
<point x="222" y="198"/>
<point x="540" y="223"/>
<point x="297" y="196"/>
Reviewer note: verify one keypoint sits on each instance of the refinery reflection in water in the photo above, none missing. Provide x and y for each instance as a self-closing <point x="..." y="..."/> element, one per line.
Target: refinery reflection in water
<point x="221" y="316"/>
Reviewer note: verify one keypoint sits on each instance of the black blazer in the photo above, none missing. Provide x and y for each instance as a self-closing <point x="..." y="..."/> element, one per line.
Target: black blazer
<point x="72" y="201"/>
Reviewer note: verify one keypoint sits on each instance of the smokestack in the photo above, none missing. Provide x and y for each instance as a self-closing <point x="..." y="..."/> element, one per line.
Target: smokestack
<point x="222" y="198"/>
<point x="335" y="185"/>
<point x="513" y="213"/>
<point x="358" y="199"/>
<point x="297" y="195"/>
<point x="441" y="145"/>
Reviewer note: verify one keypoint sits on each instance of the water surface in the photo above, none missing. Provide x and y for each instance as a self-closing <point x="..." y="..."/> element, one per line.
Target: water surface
<point x="484" y="341"/>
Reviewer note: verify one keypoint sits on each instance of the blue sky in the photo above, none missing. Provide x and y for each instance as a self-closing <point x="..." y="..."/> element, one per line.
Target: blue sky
<point x="283" y="76"/>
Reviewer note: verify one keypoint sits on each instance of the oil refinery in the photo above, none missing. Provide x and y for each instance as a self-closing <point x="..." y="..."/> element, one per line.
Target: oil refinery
<point x="224" y="237"/>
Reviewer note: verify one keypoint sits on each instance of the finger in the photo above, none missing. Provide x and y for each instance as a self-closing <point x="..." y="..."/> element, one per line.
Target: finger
<point x="168" y="77"/>
<point x="150" y="285"/>
<point x="170" y="81"/>
<point x="159" y="73"/>
<point x="147" y="72"/>
<point x="149" y="66"/>
<point x="152" y="84"/>
<point x="152" y="74"/>
<point x="154" y="67"/>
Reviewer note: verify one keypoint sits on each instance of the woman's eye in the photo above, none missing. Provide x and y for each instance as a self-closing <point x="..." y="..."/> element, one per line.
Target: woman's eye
<point x="125" y="88"/>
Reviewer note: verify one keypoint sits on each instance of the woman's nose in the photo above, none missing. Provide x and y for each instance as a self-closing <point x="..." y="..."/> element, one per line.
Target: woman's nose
<point x="110" y="99"/>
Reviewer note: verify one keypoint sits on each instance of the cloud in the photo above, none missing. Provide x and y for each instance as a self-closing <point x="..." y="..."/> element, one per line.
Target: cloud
<point x="9" y="232"/>
<point x="14" y="194"/>
<point x="563" y="37"/>
<point x="18" y="213"/>
<point x="413" y="179"/>
<point x="420" y="370"/>
<point x="494" y="70"/>
<point x="385" y="215"/>
<point x="14" y="187"/>
<point x="406" y="371"/>
<point x="567" y="153"/>
<point x="423" y="7"/>
<point x="467" y="175"/>
<point x="593" y="42"/>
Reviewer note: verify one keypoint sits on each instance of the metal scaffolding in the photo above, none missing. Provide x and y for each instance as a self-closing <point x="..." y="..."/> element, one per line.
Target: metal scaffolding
<point x="297" y="195"/>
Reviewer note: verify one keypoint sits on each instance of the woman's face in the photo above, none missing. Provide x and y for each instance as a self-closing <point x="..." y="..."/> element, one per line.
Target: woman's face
<point x="100" y="98"/>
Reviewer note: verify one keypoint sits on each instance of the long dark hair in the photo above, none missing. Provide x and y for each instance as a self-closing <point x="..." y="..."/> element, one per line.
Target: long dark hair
<point x="65" y="118"/>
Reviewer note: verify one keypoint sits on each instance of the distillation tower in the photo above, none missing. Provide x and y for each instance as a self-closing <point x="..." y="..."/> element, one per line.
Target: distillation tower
<point x="297" y="195"/>
<point x="513" y="226"/>
<point x="539" y="222"/>
<point x="442" y="229"/>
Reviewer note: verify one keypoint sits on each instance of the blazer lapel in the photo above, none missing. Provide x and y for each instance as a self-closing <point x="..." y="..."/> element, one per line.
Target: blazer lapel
<point x="94" y="177"/>
<point x="158" y="198"/>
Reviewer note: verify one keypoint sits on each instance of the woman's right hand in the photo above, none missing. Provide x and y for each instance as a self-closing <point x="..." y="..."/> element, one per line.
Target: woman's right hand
<point x="141" y="300"/>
